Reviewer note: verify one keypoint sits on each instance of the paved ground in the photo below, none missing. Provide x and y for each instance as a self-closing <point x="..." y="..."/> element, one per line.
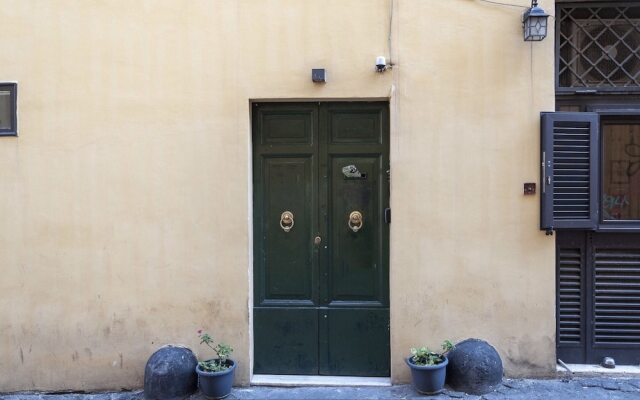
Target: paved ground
<point x="570" y="389"/>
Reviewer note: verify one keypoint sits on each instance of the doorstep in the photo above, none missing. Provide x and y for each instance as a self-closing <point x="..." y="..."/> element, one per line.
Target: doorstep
<point x="317" y="380"/>
<point x="587" y="369"/>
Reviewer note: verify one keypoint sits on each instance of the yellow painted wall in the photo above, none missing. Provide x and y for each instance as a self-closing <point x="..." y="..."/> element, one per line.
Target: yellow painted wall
<point x="126" y="197"/>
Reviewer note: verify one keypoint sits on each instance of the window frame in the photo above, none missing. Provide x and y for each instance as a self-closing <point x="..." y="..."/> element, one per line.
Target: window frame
<point x="618" y="114"/>
<point x="13" y="88"/>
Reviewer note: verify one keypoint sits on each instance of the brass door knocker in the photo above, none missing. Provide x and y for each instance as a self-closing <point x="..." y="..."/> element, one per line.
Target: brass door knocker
<point x="286" y="221"/>
<point x="355" y="221"/>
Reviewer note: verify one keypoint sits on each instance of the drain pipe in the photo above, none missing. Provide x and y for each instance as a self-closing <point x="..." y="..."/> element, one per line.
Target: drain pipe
<point x="563" y="365"/>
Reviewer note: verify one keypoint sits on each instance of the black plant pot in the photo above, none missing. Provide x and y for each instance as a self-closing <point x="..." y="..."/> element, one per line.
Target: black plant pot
<point x="428" y="379"/>
<point x="216" y="385"/>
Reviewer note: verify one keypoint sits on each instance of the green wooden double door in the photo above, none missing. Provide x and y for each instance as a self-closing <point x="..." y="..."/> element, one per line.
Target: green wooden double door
<point x="321" y="235"/>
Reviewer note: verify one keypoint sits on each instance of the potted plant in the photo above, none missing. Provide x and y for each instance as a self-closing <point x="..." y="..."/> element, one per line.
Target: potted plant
<point x="428" y="368"/>
<point x="215" y="376"/>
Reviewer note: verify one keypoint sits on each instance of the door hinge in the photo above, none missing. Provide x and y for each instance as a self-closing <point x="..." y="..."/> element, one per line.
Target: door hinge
<point x="387" y="215"/>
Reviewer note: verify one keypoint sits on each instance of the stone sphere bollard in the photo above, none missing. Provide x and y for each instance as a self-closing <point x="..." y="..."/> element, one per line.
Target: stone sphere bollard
<point x="474" y="367"/>
<point x="170" y="374"/>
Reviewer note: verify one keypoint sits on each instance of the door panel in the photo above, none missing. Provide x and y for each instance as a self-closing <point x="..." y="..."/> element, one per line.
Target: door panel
<point x="288" y="186"/>
<point x="615" y="308"/>
<point x="355" y="124"/>
<point x="357" y="341"/>
<point x="286" y="125"/>
<point x="321" y="289"/>
<point x="285" y="179"/>
<point x="356" y="267"/>
<point x="571" y="258"/>
<point x="287" y="342"/>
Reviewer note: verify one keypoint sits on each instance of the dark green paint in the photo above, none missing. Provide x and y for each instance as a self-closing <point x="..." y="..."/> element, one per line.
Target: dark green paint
<point x="295" y="350"/>
<point x="358" y="341"/>
<point x="321" y="309"/>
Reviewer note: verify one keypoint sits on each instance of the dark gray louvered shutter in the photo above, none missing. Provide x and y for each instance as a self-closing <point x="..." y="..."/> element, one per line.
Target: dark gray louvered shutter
<point x="569" y="181"/>
<point x="616" y="301"/>
<point x="570" y="300"/>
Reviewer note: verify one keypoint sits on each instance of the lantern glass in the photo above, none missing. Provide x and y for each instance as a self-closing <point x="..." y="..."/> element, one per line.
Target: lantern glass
<point x="535" y="28"/>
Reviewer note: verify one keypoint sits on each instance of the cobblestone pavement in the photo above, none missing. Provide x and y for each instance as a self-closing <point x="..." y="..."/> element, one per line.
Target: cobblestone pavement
<point x="570" y="389"/>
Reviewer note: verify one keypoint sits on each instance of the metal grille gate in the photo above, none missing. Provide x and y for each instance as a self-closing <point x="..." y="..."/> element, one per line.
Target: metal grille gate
<point x="598" y="46"/>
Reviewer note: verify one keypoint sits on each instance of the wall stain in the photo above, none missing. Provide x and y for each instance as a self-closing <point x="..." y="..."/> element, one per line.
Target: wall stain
<point x="75" y="356"/>
<point x="21" y="356"/>
<point x="118" y="324"/>
<point x="522" y="363"/>
<point x="527" y="356"/>
<point x="121" y="360"/>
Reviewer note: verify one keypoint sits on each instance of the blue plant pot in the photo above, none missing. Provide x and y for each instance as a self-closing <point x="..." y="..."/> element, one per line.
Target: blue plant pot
<point x="216" y="385"/>
<point x="428" y="379"/>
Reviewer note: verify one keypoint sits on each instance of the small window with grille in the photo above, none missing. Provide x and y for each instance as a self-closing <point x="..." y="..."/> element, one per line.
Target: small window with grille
<point x="598" y="46"/>
<point x="8" y="109"/>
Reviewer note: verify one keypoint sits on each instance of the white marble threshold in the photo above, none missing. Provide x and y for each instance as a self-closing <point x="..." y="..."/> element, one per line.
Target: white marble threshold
<point x="598" y="369"/>
<point x="317" y="380"/>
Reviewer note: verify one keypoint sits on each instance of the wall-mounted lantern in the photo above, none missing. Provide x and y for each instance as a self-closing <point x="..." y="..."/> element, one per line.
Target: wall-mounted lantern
<point x="534" y="23"/>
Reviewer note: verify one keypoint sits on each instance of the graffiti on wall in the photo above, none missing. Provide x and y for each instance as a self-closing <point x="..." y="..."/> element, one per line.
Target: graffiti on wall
<point x="621" y="197"/>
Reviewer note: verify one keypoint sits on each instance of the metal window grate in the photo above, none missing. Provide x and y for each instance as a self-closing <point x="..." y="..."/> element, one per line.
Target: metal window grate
<point x="598" y="46"/>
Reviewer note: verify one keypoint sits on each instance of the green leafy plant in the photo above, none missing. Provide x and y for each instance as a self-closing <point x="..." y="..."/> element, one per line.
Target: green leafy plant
<point x="222" y="352"/>
<point x="424" y="356"/>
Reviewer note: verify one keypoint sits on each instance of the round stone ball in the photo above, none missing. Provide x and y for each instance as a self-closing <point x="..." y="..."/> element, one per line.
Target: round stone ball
<point x="474" y="367"/>
<point x="170" y="374"/>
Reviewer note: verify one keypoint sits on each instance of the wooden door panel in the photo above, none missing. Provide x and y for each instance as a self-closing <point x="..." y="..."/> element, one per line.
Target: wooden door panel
<point x="286" y="124"/>
<point x="355" y="124"/>
<point x="571" y="258"/>
<point x="288" y="186"/>
<point x="287" y="341"/>
<point x="356" y="270"/>
<point x="615" y="297"/>
<point x="358" y="342"/>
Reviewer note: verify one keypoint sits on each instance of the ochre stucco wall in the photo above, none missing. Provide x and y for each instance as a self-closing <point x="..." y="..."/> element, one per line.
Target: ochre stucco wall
<point x="126" y="197"/>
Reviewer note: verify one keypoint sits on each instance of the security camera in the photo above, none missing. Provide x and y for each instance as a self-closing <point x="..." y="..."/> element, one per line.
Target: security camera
<point x="381" y="64"/>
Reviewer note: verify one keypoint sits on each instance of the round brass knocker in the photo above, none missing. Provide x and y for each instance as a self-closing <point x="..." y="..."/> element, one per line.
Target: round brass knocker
<point x="286" y="221"/>
<point x="355" y="221"/>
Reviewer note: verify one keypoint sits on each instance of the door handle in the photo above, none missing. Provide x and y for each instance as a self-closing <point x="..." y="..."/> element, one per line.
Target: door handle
<point x="355" y="221"/>
<point x="286" y="221"/>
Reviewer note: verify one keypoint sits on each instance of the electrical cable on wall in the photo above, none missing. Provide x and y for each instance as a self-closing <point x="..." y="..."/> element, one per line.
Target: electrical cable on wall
<point x="390" y="32"/>
<point x="504" y="4"/>
<point x="497" y="3"/>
